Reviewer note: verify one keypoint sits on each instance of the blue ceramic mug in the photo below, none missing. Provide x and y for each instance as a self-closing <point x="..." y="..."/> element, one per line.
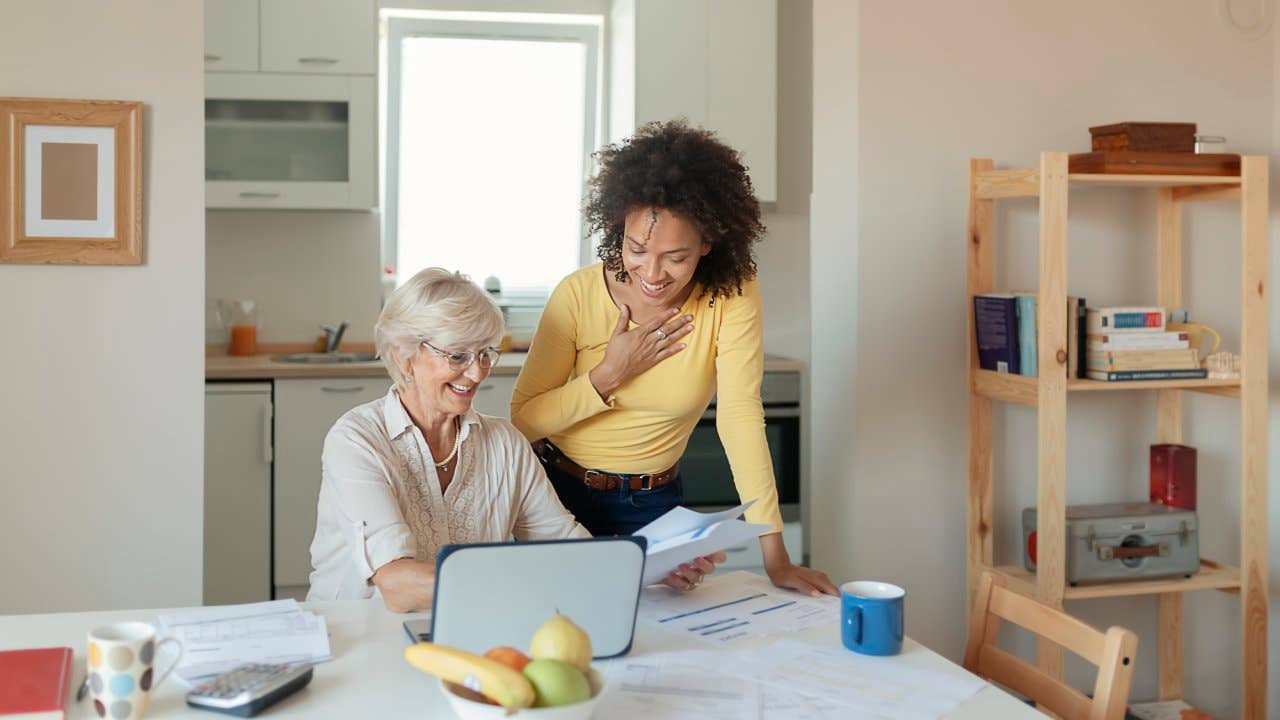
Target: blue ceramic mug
<point x="871" y="617"/>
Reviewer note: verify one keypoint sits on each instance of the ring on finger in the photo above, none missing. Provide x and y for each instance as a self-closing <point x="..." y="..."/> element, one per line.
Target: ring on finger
<point x="662" y="334"/>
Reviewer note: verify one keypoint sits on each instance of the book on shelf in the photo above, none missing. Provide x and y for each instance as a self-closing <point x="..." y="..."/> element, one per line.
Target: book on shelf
<point x="1025" y="305"/>
<point x="1110" y="320"/>
<point x="1168" y="340"/>
<point x="1075" y="337"/>
<point x="995" y="320"/>
<point x="1143" y="360"/>
<point x="35" y="683"/>
<point x="1131" y="375"/>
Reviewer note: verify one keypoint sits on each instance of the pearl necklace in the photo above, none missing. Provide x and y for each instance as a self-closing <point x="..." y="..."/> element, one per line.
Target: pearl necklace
<point x="457" y="441"/>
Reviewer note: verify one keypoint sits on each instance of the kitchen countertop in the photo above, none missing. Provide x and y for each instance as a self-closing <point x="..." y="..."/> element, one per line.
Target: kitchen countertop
<point x="263" y="367"/>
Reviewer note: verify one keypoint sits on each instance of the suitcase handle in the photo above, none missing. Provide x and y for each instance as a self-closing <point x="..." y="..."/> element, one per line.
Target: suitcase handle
<point x="1110" y="552"/>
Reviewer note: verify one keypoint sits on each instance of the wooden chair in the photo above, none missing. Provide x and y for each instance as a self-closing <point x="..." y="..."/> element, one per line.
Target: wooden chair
<point x="1113" y="652"/>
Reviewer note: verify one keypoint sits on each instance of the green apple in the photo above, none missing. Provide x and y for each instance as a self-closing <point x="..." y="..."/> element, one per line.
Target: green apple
<point x="556" y="683"/>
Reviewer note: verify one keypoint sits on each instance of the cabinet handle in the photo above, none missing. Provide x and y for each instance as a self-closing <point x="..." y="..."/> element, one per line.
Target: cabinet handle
<point x="357" y="388"/>
<point x="262" y="195"/>
<point x="267" y="452"/>
<point x="487" y="387"/>
<point x="212" y="58"/>
<point x="318" y="60"/>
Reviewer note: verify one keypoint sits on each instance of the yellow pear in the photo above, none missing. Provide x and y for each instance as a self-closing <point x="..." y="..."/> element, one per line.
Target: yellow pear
<point x="560" y="639"/>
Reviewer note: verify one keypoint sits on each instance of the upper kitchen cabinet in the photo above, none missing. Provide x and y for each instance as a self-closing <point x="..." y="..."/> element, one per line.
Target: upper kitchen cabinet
<point x="714" y="62"/>
<point x="325" y="37"/>
<point x="231" y="35"/>
<point x="319" y="36"/>
<point x="289" y="141"/>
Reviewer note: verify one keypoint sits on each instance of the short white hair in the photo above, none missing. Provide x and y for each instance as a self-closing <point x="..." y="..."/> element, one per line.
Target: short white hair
<point x="443" y="307"/>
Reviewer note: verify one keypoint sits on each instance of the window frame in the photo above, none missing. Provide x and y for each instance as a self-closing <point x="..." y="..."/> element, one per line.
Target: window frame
<point x="588" y="31"/>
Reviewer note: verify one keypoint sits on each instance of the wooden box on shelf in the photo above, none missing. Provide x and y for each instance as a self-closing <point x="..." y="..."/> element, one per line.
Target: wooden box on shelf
<point x="1154" y="163"/>
<point x="1145" y="137"/>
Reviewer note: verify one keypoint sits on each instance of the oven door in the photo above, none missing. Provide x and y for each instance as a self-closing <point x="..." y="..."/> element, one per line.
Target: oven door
<point x="708" y="480"/>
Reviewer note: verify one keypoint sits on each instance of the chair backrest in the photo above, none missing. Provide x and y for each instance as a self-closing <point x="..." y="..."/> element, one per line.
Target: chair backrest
<point x="1113" y="652"/>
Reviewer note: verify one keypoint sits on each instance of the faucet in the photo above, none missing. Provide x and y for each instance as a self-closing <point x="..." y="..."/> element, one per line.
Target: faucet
<point x="333" y="336"/>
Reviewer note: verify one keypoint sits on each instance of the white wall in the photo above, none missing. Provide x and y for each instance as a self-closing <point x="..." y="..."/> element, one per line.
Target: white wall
<point x="101" y="394"/>
<point x="906" y="93"/>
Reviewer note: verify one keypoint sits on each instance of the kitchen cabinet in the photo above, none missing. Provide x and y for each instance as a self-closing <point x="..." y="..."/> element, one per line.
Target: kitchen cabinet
<point x="314" y="37"/>
<point x="305" y="410"/>
<point x="319" y="36"/>
<point x="289" y="141"/>
<point x="494" y="396"/>
<point x="231" y="35"/>
<point x="714" y="62"/>
<point x="237" y="492"/>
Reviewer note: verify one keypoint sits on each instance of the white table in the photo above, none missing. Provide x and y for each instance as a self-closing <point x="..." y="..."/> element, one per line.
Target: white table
<point x="369" y="678"/>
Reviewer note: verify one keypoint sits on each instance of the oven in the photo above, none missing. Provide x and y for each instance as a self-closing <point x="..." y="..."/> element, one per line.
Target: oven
<point x="704" y="467"/>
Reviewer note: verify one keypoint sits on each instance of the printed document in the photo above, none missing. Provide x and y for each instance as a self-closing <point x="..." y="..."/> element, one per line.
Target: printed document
<point x="681" y="535"/>
<point x="216" y="639"/>
<point x="892" y="688"/>
<point x="736" y="606"/>
<point x="677" y="686"/>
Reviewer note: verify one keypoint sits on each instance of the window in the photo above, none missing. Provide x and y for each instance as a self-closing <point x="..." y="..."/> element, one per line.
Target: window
<point x="489" y="130"/>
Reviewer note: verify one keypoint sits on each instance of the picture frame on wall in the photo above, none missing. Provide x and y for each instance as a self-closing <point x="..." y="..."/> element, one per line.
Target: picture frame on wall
<point x="70" y="181"/>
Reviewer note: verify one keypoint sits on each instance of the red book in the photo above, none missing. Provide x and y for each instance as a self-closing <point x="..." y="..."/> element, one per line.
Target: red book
<point x="35" y="684"/>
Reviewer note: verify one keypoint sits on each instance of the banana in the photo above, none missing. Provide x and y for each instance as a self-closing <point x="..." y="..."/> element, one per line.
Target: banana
<point x="489" y="677"/>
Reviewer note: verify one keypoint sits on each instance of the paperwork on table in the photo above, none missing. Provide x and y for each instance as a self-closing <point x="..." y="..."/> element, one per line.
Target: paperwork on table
<point x="681" y="535"/>
<point x="736" y="606"/>
<point x="216" y="639"/>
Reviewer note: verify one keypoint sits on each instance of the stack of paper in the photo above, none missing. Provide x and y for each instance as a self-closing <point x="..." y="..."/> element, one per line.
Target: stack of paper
<point x="681" y="535"/>
<point x="216" y="639"/>
<point x="790" y="678"/>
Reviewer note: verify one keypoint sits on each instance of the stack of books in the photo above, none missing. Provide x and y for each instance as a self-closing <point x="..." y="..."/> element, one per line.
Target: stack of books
<point x="1131" y="343"/>
<point x="1006" y="333"/>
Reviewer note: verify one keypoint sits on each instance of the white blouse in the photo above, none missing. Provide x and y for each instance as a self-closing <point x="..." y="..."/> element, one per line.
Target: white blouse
<point x="380" y="496"/>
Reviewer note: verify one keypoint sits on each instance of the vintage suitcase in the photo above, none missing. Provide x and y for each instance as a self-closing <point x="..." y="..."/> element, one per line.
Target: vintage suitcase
<point x="1123" y="541"/>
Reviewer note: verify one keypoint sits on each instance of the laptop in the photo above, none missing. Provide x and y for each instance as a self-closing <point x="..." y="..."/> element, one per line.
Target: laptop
<point x="492" y="594"/>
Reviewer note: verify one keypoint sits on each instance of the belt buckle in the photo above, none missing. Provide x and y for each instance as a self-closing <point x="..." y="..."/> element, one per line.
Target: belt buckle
<point x="586" y="476"/>
<point x="646" y="481"/>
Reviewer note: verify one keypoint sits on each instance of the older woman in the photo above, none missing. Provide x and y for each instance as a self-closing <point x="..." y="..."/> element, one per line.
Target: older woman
<point x="629" y="351"/>
<point x="420" y="468"/>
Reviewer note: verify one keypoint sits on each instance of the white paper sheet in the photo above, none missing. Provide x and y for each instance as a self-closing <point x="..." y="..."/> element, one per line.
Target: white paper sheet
<point x="892" y="688"/>
<point x="677" y="686"/>
<point x="736" y="606"/>
<point x="216" y="639"/>
<point x="681" y="535"/>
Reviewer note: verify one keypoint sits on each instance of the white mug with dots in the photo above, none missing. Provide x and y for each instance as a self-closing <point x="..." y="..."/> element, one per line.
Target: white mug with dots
<point x="122" y="668"/>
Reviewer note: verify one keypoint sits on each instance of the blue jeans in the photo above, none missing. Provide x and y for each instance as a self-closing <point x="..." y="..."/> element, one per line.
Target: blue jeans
<point x="613" y="512"/>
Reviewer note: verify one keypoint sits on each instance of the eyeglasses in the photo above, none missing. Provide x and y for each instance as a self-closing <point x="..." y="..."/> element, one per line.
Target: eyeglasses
<point x="461" y="360"/>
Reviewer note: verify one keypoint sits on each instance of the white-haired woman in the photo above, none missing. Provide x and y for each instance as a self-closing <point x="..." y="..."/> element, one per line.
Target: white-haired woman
<point x="420" y="468"/>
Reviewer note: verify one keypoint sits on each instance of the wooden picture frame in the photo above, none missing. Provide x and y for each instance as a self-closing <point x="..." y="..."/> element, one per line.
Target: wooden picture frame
<point x="70" y="182"/>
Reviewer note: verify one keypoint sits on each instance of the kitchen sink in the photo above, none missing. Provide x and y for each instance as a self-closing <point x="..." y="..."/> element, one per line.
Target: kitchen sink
<point x="314" y="358"/>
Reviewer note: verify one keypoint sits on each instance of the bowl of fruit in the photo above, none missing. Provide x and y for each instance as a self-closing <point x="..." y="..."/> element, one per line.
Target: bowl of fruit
<point x="555" y="681"/>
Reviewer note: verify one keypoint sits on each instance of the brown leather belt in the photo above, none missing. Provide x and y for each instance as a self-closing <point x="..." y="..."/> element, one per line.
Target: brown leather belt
<point x="598" y="479"/>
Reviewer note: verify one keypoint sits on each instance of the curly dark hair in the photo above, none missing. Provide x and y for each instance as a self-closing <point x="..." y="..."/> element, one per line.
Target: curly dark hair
<point x="688" y="172"/>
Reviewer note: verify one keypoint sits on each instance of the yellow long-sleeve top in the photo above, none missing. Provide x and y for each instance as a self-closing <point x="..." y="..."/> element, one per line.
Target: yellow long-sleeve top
<point x="647" y="426"/>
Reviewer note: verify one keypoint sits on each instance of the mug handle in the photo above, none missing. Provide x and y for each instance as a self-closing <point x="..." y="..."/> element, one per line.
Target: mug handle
<point x="1217" y="340"/>
<point x="172" y="665"/>
<point x="856" y="632"/>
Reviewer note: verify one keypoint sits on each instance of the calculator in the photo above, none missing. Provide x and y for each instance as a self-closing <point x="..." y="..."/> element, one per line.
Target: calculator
<point x="250" y="688"/>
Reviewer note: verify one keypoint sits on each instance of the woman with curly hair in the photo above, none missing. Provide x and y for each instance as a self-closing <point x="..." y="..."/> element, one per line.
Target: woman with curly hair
<point x="629" y="351"/>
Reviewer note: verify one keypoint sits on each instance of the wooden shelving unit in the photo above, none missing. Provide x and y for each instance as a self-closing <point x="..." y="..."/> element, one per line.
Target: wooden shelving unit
<point x="1051" y="183"/>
